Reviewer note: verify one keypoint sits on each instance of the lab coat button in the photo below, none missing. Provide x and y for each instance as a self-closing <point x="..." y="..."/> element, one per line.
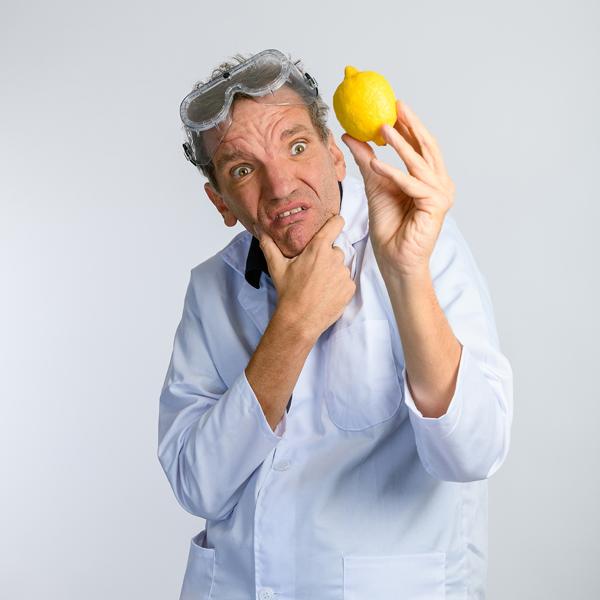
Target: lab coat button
<point x="282" y="465"/>
<point x="266" y="594"/>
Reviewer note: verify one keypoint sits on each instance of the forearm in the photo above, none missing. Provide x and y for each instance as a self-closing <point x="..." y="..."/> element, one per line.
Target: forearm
<point x="431" y="350"/>
<point x="276" y="364"/>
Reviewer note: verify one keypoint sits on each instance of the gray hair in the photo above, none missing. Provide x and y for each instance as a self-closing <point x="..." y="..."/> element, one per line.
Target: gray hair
<point x="317" y="112"/>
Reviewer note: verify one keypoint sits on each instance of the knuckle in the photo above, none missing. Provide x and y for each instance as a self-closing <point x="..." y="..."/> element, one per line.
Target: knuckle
<point x="339" y="219"/>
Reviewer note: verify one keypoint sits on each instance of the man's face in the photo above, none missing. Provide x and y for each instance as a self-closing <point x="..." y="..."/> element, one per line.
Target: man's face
<point x="270" y="158"/>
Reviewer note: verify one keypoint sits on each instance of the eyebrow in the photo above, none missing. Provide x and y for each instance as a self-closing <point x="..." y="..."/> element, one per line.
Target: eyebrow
<point x="286" y="133"/>
<point x="228" y="157"/>
<point x="236" y="154"/>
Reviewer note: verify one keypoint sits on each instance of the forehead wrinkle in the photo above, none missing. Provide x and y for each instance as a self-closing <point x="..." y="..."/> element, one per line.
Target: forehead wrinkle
<point x="237" y="153"/>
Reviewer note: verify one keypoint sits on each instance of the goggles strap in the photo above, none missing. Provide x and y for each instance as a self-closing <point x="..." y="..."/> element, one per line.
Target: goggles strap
<point x="188" y="154"/>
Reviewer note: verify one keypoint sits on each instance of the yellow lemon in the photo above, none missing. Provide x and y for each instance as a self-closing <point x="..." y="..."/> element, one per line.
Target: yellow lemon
<point x="363" y="102"/>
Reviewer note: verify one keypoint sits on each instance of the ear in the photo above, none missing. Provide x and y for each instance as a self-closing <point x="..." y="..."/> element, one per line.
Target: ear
<point x="217" y="199"/>
<point x="337" y="155"/>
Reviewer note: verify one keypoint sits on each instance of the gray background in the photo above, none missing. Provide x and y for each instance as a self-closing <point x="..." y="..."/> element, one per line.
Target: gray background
<point x="103" y="218"/>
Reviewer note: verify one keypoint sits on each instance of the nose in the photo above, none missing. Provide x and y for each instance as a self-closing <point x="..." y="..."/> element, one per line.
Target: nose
<point x="278" y="181"/>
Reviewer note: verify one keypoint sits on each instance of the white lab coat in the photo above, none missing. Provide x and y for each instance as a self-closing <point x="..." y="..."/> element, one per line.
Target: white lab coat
<point x="356" y="495"/>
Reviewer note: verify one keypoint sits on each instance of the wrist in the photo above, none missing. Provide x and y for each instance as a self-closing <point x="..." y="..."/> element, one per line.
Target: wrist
<point x="295" y="324"/>
<point x="391" y="271"/>
<point x="404" y="278"/>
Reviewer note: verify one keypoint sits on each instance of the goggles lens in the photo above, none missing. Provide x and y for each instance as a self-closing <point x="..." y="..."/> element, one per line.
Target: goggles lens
<point x="205" y="112"/>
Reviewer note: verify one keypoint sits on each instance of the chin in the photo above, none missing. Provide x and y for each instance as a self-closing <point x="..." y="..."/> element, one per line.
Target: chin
<point x="296" y="239"/>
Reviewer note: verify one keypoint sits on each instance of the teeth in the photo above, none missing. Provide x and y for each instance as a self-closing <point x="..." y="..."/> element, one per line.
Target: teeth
<point x="290" y="212"/>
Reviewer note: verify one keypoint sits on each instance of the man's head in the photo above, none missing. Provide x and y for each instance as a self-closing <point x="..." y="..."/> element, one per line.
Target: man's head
<point x="274" y="156"/>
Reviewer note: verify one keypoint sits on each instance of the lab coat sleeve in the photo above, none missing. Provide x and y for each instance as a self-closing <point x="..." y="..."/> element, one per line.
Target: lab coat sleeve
<point x="210" y="438"/>
<point x="471" y="440"/>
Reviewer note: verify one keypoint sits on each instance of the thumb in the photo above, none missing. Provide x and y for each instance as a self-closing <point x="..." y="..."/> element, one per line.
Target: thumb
<point x="275" y="259"/>
<point x="362" y="153"/>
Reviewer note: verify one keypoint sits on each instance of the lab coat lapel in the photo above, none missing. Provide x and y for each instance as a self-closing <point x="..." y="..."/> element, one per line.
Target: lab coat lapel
<point x="255" y="303"/>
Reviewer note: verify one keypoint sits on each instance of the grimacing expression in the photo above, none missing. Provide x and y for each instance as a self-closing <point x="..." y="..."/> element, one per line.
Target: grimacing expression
<point x="270" y="158"/>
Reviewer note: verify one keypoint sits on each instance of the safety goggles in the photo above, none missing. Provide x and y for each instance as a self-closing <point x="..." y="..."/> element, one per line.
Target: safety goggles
<point x="206" y="111"/>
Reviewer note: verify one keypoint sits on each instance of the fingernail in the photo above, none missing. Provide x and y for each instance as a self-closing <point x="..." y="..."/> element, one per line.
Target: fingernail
<point x="257" y="231"/>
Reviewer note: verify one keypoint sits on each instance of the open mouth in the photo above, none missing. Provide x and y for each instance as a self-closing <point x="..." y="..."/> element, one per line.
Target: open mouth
<point x="291" y="216"/>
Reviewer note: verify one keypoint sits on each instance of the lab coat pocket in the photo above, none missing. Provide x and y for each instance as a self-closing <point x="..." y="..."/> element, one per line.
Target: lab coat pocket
<point x="396" y="577"/>
<point x="362" y="386"/>
<point x="199" y="573"/>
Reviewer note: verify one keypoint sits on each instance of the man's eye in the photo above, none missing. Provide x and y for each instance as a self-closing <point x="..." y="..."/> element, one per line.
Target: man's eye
<point x="301" y="147"/>
<point x="240" y="171"/>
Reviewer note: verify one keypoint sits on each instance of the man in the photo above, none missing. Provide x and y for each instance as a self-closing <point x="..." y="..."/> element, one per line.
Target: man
<point x="336" y="398"/>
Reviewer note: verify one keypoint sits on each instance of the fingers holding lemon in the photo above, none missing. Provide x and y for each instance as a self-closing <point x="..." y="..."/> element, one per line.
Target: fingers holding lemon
<point x="406" y="209"/>
<point x="363" y="102"/>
